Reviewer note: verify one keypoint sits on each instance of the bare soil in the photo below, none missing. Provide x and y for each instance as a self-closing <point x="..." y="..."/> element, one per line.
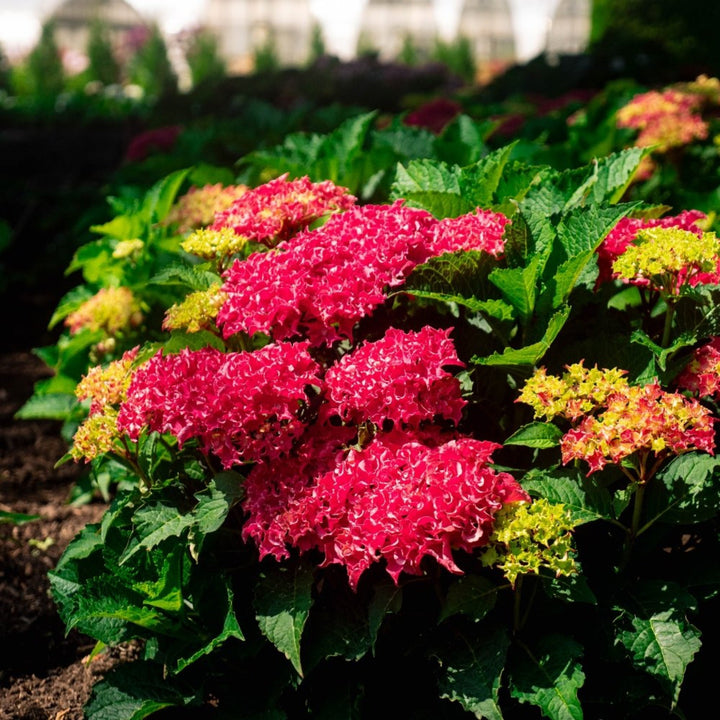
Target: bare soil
<point x="44" y="673"/>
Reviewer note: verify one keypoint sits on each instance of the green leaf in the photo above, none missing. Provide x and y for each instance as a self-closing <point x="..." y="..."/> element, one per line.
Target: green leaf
<point x="479" y="182"/>
<point x="53" y="406"/>
<point x="387" y="598"/>
<point x="536" y="435"/>
<point x="283" y="597"/>
<point x="549" y="677"/>
<point x="159" y="199"/>
<point x="425" y="176"/>
<point x="582" y="496"/>
<point x="470" y="670"/>
<point x="154" y="523"/>
<point x="614" y="173"/>
<point x="188" y="276"/>
<point x="662" y="355"/>
<point x="687" y="490"/>
<point x="518" y="287"/>
<point x="230" y="629"/>
<point x="530" y="354"/>
<point x="134" y="691"/>
<point x="569" y="588"/>
<point x="462" y="274"/>
<point x="439" y="204"/>
<point x="121" y="227"/>
<point x="16" y="518"/>
<point x="70" y="302"/>
<point x="471" y="595"/>
<point x="655" y="631"/>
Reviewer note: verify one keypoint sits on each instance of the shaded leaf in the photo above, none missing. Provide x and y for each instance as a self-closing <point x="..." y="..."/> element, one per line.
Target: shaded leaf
<point x="471" y="595"/>
<point x="549" y="676"/>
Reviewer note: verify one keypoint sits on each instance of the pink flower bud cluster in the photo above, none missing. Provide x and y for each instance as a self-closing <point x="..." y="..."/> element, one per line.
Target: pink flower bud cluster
<point x="398" y="494"/>
<point x="240" y="406"/>
<point x="398" y="499"/>
<point x="665" y="119"/>
<point x="320" y="283"/>
<point x="702" y="374"/>
<point x="276" y="210"/>
<point x="112" y="310"/>
<point x="626" y="231"/>
<point x="398" y="378"/>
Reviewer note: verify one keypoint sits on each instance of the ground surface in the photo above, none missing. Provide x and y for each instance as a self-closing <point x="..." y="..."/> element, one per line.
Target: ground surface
<point x="43" y="675"/>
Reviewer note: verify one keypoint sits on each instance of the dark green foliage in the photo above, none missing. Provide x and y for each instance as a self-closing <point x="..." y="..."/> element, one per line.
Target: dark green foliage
<point x="103" y="66"/>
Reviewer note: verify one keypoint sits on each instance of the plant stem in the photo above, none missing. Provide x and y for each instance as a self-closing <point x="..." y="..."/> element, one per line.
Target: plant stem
<point x="669" y="315"/>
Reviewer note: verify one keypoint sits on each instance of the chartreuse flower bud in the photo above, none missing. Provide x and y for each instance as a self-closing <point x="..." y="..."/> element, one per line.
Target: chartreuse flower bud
<point x="578" y="391"/>
<point x="96" y="436"/>
<point x="130" y="249"/>
<point x="529" y="537"/>
<point x="216" y="245"/>
<point x="667" y="258"/>
<point x="196" y="312"/>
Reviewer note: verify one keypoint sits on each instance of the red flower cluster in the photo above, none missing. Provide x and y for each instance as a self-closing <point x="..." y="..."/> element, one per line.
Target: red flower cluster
<point x="398" y="499"/>
<point x="276" y="210"/>
<point x="241" y="406"/>
<point x="702" y="374"/>
<point x="399" y="378"/>
<point x="626" y="231"/>
<point x="320" y="283"/>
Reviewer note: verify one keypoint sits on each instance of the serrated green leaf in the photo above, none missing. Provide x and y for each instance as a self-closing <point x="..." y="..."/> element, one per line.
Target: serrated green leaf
<point x="470" y="595"/>
<point x="230" y="629"/>
<point x="530" y="354"/>
<point x="439" y="204"/>
<point x="479" y="182"/>
<point x="549" y="676"/>
<point x="536" y="435"/>
<point x="53" y="406"/>
<point x="462" y="140"/>
<point x="425" y="176"/>
<point x="282" y="601"/>
<point x="569" y="588"/>
<point x="615" y="172"/>
<point x="662" y="354"/>
<point x="386" y="599"/>
<point x="581" y="495"/>
<point x="663" y="645"/>
<point x="518" y="286"/>
<point x="154" y="523"/>
<point x="470" y="669"/>
<point x="159" y="199"/>
<point x="687" y="490"/>
<point x="134" y="691"/>
<point x="121" y="227"/>
<point x="189" y="276"/>
<point x="70" y="302"/>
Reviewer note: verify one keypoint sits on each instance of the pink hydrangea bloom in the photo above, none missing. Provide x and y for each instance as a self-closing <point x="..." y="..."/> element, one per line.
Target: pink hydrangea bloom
<point x="480" y="230"/>
<point x="398" y="500"/>
<point x="278" y="209"/>
<point x="241" y="406"/>
<point x="398" y="378"/>
<point x="625" y="233"/>
<point x="702" y="374"/>
<point x="320" y="283"/>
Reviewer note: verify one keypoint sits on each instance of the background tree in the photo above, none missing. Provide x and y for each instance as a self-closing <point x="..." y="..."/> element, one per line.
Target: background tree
<point x="102" y="64"/>
<point x="408" y="52"/>
<point x="203" y="58"/>
<point x="44" y="69"/>
<point x="265" y="56"/>
<point x="150" y="67"/>
<point x="317" y="44"/>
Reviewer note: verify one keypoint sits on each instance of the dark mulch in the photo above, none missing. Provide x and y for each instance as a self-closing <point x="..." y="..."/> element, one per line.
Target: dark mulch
<point x="43" y="671"/>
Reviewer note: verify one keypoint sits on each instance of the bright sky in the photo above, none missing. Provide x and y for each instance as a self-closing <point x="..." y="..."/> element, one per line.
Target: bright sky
<point x="20" y="20"/>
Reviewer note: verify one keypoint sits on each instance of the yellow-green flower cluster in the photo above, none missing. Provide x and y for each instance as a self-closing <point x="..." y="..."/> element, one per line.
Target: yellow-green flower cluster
<point x="199" y="205"/>
<point x="577" y="392"/>
<point x="196" y="312"/>
<point x="529" y="537"/>
<point x="110" y="309"/>
<point x="215" y="245"/>
<point x="666" y="258"/>
<point x="129" y="249"/>
<point x="105" y="387"/>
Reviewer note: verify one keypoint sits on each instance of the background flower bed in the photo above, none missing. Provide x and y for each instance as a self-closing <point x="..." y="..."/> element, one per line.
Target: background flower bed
<point x="689" y="542"/>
